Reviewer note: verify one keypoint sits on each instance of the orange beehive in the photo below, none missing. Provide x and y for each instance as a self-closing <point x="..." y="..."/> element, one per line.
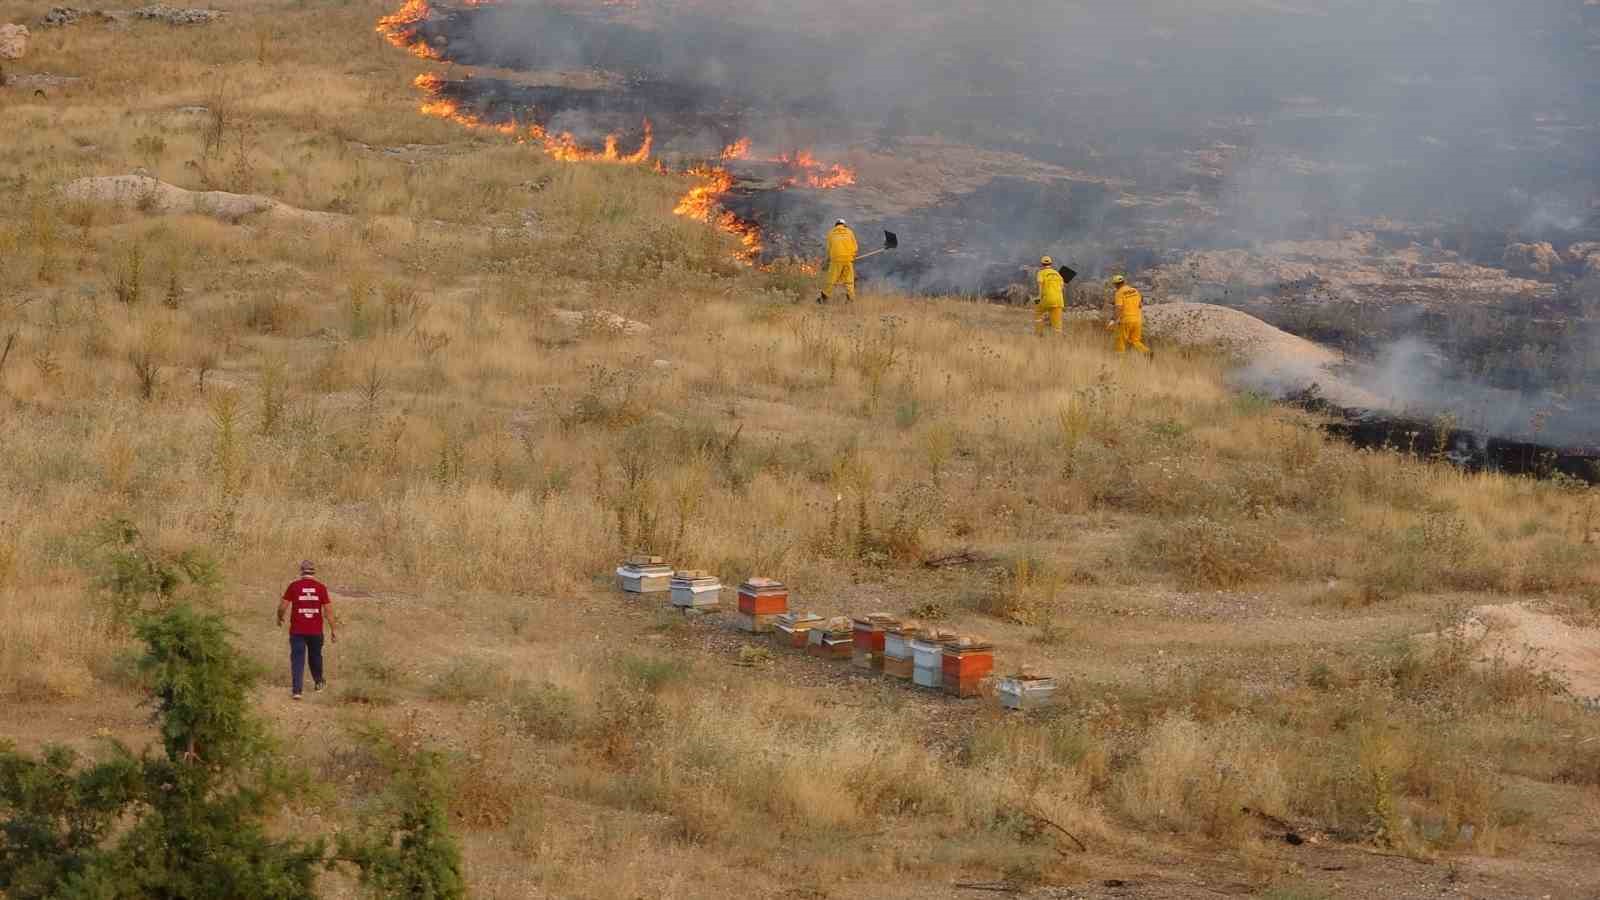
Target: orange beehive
<point x="763" y="597"/>
<point x="966" y="664"/>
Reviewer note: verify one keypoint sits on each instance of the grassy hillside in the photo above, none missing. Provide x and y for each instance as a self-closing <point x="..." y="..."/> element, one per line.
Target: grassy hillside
<point x="392" y="392"/>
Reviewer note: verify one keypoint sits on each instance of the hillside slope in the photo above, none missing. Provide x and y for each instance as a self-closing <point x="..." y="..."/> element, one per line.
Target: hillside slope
<point x="406" y="398"/>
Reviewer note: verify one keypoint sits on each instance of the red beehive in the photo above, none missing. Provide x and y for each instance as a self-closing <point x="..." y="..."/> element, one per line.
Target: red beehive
<point x="967" y="662"/>
<point x="763" y="597"/>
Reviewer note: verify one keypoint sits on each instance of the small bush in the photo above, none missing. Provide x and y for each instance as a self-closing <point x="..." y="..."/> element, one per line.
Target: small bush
<point x="468" y="679"/>
<point x="1206" y="553"/>
<point x="545" y="711"/>
<point x="652" y="673"/>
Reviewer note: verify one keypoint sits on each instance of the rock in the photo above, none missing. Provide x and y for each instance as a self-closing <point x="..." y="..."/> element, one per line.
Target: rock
<point x="174" y="16"/>
<point x="153" y="197"/>
<point x="662" y="363"/>
<point x="59" y="16"/>
<point x="13" y="41"/>
<point x="600" y="320"/>
<point x="40" y="83"/>
<point x="1581" y="251"/>
<point x="1539" y="258"/>
<point x="1586" y="254"/>
<point x="1017" y="295"/>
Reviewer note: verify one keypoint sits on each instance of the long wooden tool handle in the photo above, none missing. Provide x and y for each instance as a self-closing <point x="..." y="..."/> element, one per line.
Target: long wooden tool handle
<point x="873" y="253"/>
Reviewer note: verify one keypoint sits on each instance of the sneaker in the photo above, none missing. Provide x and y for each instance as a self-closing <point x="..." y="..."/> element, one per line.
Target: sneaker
<point x="319" y="686"/>
<point x="294" y="696"/>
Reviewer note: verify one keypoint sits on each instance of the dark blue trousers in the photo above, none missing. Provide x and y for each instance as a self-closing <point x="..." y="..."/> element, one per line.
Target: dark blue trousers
<point x="301" y="648"/>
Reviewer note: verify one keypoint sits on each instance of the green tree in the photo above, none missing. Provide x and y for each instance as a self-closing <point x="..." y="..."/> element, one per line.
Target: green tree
<point x="413" y="854"/>
<point x="191" y="822"/>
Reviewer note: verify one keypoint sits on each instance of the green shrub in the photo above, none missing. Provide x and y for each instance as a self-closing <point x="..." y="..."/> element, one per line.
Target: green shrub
<point x="191" y="822"/>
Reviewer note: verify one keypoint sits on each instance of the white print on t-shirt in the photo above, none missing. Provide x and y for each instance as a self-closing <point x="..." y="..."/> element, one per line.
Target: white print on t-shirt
<point x="309" y="595"/>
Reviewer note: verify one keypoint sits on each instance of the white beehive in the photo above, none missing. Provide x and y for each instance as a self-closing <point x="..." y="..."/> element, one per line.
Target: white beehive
<point x="927" y="658"/>
<point x="1026" y="691"/>
<point x="696" y="590"/>
<point x="644" y="575"/>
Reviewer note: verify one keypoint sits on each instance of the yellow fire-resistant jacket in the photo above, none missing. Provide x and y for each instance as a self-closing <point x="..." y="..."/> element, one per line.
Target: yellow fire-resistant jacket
<point x="1051" y="289"/>
<point x="1130" y="304"/>
<point x="842" y="245"/>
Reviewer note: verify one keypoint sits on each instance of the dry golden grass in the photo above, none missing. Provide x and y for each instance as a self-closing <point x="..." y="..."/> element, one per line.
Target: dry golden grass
<point x="1228" y="592"/>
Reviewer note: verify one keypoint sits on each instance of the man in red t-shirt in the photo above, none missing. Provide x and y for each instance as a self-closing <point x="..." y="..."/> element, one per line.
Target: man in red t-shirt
<point x="306" y="603"/>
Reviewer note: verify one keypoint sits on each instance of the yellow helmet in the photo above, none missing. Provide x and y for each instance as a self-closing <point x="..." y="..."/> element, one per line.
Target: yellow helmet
<point x="1046" y="261"/>
<point x="1118" y="279"/>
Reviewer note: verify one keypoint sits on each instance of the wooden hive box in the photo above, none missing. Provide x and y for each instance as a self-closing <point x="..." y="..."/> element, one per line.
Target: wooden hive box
<point x="898" y="668"/>
<point x="869" y="635"/>
<point x="763" y="597"/>
<point x="1025" y="691"/>
<point x="897" y="643"/>
<point x="927" y="657"/>
<point x="644" y="575"/>
<point x="794" y="629"/>
<point x="696" y="590"/>
<point x="966" y="664"/>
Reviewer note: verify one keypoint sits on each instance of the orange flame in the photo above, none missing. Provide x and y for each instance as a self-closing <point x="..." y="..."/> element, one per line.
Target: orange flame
<point x="563" y="146"/>
<point x="817" y="174"/>
<point x="700" y="204"/>
<point x="400" y="29"/>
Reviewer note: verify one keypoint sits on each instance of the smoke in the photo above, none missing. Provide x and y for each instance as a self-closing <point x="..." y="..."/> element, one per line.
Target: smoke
<point x="1117" y="134"/>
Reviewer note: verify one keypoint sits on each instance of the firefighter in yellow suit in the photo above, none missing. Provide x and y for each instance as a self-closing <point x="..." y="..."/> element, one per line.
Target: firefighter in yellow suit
<point x="842" y="249"/>
<point x="1129" y="324"/>
<point x="1052" y="298"/>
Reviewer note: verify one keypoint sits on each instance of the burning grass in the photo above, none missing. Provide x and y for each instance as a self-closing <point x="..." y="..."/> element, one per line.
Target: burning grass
<point x="397" y="400"/>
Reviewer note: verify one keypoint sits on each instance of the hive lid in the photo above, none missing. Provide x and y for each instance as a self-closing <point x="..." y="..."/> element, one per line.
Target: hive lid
<point x="761" y="581"/>
<point x="692" y="574"/>
<point x="645" y="559"/>
<point x="799" y="618"/>
<point x="964" y="642"/>
<point x="907" y="628"/>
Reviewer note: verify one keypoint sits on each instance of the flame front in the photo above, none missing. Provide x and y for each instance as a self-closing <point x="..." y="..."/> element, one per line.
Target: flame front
<point x="815" y="173"/>
<point x="701" y="203"/>
<point x="400" y="29"/>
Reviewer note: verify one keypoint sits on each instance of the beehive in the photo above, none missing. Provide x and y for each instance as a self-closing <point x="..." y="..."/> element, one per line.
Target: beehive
<point x="966" y="663"/>
<point x="867" y="640"/>
<point x="794" y="629"/>
<point x="693" y="589"/>
<point x="831" y="639"/>
<point x="1026" y="690"/>
<point x="644" y="575"/>
<point x="763" y="597"/>
<point x="927" y="657"/>
<point x="897" y="657"/>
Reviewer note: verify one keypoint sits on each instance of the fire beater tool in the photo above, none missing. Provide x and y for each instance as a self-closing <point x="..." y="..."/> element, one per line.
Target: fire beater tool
<point x="890" y="242"/>
<point x="1068" y="273"/>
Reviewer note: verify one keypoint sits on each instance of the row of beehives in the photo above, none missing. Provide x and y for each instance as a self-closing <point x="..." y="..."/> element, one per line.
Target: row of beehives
<point x="961" y="666"/>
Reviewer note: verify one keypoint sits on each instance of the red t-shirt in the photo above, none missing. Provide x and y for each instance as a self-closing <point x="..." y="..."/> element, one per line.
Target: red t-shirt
<point x="306" y="598"/>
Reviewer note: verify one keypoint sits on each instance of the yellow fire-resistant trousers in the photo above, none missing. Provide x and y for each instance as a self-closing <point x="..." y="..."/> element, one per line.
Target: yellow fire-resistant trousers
<point x="844" y="273"/>
<point x="1043" y="314"/>
<point x="1131" y="333"/>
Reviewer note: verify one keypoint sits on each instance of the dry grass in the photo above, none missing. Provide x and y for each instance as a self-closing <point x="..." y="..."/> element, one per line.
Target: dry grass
<point x="394" y="398"/>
